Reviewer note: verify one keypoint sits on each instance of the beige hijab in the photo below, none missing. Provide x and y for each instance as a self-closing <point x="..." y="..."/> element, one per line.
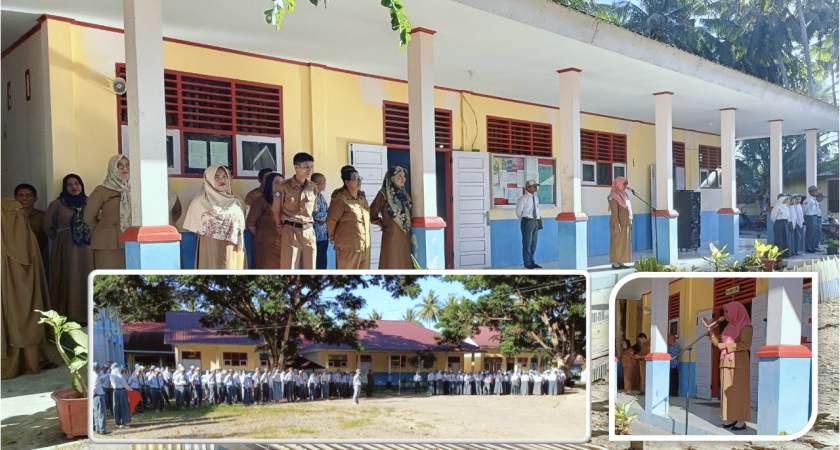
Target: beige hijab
<point x="215" y="214"/>
<point x="114" y="182"/>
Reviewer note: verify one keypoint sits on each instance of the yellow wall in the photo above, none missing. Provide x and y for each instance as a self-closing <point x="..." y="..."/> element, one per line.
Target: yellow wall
<point x="210" y="353"/>
<point x="323" y="111"/>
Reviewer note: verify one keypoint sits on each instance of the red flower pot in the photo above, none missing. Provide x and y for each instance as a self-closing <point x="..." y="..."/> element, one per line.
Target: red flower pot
<point x="72" y="410"/>
<point x="768" y="264"/>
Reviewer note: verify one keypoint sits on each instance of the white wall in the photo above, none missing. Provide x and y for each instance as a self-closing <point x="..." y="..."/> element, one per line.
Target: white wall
<point x="23" y="139"/>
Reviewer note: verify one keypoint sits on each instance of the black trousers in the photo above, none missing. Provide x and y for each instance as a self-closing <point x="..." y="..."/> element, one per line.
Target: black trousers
<point x="675" y="382"/>
<point x="321" y="255"/>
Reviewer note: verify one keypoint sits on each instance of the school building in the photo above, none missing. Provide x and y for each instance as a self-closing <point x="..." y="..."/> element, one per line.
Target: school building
<point x="468" y="108"/>
<point x="780" y="310"/>
<point x="387" y="349"/>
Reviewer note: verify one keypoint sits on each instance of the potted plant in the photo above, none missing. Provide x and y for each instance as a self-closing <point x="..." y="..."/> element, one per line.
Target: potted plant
<point x="623" y="417"/>
<point x="767" y="253"/>
<point x="831" y="245"/>
<point x="71" y="403"/>
<point x="752" y="263"/>
<point x="719" y="259"/>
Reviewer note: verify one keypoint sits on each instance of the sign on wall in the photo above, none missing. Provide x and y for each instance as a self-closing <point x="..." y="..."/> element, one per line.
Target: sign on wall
<point x="510" y="174"/>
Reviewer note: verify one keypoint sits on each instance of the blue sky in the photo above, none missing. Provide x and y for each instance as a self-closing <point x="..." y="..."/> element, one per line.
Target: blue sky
<point x="393" y="309"/>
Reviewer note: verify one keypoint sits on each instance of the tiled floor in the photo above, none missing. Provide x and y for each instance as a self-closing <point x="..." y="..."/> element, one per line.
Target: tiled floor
<point x="703" y="414"/>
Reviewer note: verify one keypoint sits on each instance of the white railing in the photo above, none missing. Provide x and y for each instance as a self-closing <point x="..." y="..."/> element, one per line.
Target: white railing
<point x="827" y="269"/>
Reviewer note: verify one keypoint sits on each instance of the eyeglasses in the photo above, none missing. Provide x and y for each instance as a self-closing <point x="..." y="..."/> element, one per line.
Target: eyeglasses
<point x="221" y="178"/>
<point x="356" y="179"/>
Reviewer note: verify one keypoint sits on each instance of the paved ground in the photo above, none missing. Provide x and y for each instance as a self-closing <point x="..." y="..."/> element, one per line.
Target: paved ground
<point x="391" y="416"/>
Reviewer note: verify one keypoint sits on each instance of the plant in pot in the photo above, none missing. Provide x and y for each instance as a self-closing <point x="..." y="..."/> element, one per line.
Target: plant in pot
<point x="752" y="263"/>
<point x="71" y="403"/>
<point x="719" y="260"/>
<point x="831" y="245"/>
<point x="767" y="253"/>
<point x="623" y="418"/>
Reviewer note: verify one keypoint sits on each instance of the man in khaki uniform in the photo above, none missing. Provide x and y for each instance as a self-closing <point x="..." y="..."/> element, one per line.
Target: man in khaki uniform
<point x="294" y="215"/>
<point x="645" y="349"/>
<point x="257" y="192"/>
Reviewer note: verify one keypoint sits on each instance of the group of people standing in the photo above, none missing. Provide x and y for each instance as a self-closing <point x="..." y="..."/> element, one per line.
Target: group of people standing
<point x="534" y="382"/>
<point x="797" y="222"/>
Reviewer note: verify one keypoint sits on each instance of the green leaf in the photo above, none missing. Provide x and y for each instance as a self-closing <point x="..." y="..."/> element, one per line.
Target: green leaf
<point x="74" y="382"/>
<point x="80" y="350"/>
<point x="80" y="337"/>
<point x="77" y="364"/>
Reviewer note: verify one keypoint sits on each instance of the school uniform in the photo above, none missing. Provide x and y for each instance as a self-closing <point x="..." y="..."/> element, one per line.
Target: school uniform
<point x="813" y="223"/>
<point x="221" y="389"/>
<point x="297" y="235"/>
<point x="417" y="380"/>
<point x="169" y="387"/>
<point x="154" y="383"/>
<point x="325" y="385"/>
<point x="357" y="388"/>
<point x="134" y="383"/>
<point x="237" y="384"/>
<point x="288" y="379"/>
<point x="257" y="387"/>
<point x="180" y="382"/>
<point x="277" y="379"/>
<point x="514" y="384"/>
<point x="105" y="380"/>
<point x="210" y="386"/>
<point x="198" y="393"/>
<point x="247" y="385"/>
<point x="122" y="412"/>
<point x="98" y="405"/>
<point x="229" y="388"/>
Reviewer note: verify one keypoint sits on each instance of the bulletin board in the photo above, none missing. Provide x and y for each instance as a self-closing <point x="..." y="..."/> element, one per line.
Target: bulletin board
<point x="510" y="174"/>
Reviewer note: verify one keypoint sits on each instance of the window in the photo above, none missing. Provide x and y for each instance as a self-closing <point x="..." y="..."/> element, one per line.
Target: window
<point x="190" y="355"/>
<point x="264" y="359"/>
<point x="395" y="125"/>
<point x="674" y="327"/>
<point x="709" y="167"/>
<point x="235" y="359"/>
<point x="493" y="364"/>
<point x="534" y="364"/>
<point x="213" y="120"/>
<point x="674" y="314"/>
<point x="517" y="137"/>
<point x="588" y="173"/>
<point x="397" y="361"/>
<point x="603" y="157"/>
<point x="337" y="360"/>
<point x="678" y="152"/>
<point x="523" y="362"/>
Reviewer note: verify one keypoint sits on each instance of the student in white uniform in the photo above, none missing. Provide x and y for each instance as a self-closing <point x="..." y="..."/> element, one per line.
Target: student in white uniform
<point x="181" y="383"/>
<point x="514" y="384"/>
<point x="237" y="383"/>
<point x="99" y="398"/>
<point x="227" y="382"/>
<point x="325" y="385"/>
<point x="538" y="384"/>
<point x="524" y="383"/>
<point x="357" y="386"/>
<point x="277" y="380"/>
<point x="168" y="385"/>
<point x="313" y="385"/>
<point x="122" y="411"/>
<point x="468" y="382"/>
<point x="417" y="380"/>
<point x="430" y="383"/>
<point x="153" y="381"/>
<point x="134" y="382"/>
<point x="210" y="387"/>
<point x="105" y="379"/>
<point x="247" y="389"/>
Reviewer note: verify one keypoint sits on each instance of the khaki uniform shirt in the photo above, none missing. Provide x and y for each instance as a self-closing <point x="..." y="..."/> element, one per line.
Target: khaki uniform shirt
<point x="299" y="202"/>
<point x="348" y="223"/>
<point x="36" y="224"/>
<point x="255" y="194"/>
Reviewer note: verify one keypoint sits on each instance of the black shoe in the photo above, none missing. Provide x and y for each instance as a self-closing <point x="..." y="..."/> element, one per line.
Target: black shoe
<point x="641" y="393"/>
<point x="740" y="428"/>
<point x="536" y="266"/>
<point x="51" y="365"/>
<point x="729" y="425"/>
<point x="106" y="432"/>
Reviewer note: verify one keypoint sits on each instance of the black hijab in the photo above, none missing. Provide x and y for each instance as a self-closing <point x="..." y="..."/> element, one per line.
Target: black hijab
<point x="268" y="189"/>
<point x="73" y="201"/>
<point x="79" y="230"/>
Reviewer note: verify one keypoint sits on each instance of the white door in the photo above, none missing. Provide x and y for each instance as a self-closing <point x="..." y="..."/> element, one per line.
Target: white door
<point x="471" y="209"/>
<point x="759" y="323"/>
<point x="455" y="367"/>
<point x="371" y="161"/>
<point x="703" y="365"/>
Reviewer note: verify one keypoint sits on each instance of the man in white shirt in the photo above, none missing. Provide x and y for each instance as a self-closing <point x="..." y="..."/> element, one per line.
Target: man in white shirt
<point x="181" y="383"/>
<point x="105" y="378"/>
<point x="325" y="385"/>
<point x="227" y="381"/>
<point x="210" y="387"/>
<point x="528" y="212"/>
<point x="134" y="382"/>
<point x="813" y="220"/>
<point x="99" y="398"/>
<point x="357" y="386"/>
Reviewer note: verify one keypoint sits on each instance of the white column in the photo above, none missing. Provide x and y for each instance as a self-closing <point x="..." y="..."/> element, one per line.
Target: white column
<point x="727" y="158"/>
<point x="421" y="118"/>
<point x="570" y="174"/>
<point x="664" y="200"/>
<point x="811" y="157"/>
<point x="659" y="315"/>
<point x="775" y="160"/>
<point x="784" y="311"/>
<point x="146" y="112"/>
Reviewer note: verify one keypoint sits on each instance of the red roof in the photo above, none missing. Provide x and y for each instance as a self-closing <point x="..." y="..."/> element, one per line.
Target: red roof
<point x="184" y="328"/>
<point x="484" y="335"/>
<point x="394" y="335"/>
<point x="145" y="337"/>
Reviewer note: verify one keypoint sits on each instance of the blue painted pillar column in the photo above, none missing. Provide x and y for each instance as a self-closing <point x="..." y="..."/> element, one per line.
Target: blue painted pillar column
<point x="664" y="220"/>
<point x="657" y="383"/>
<point x="152" y="247"/>
<point x="427" y="242"/>
<point x="571" y="240"/>
<point x="572" y="248"/>
<point x="728" y="214"/>
<point x="784" y="365"/>
<point x="784" y="388"/>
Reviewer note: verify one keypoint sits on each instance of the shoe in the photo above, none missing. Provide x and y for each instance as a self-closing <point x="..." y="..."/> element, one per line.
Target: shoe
<point x="642" y="393"/>
<point x="744" y="427"/>
<point x="536" y="266"/>
<point x="529" y="266"/>
<point x="106" y="432"/>
<point x="51" y="365"/>
<point x="729" y="425"/>
<point x="617" y="266"/>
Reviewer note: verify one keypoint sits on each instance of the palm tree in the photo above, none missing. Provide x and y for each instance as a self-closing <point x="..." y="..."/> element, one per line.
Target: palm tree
<point x="429" y="308"/>
<point x="191" y="305"/>
<point x="410" y="316"/>
<point x="803" y="34"/>
<point x="374" y="315"/>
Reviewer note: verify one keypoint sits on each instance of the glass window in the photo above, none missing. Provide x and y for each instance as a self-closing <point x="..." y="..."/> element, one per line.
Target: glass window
<point x="619" y="170"/>
<point x="255" y="153"/>
<point x="587" y="172"/>
<point x="201" y="150"/>
<point x="604" y="175"/>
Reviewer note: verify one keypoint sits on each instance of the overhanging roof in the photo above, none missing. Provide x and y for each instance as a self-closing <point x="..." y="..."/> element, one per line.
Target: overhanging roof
<point x="515" y="48"/>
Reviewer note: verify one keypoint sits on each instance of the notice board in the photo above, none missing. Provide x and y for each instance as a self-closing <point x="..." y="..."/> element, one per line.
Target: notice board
<point x="510" y="172"/>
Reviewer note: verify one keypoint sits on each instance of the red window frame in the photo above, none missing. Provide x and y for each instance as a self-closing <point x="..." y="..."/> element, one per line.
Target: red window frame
<point x="678" y="153"/>
<point x="710" y="159"/>
<point x="239" y="357"/>
<point x="519" y="137"/>
<point x="603" y="148"/>
<point x="190" y="355"/>
<point x="395" y="131"/>
<point x="188" y="109"/>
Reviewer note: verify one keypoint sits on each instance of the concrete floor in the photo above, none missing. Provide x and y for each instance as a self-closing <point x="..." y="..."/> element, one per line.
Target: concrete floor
<point x="703" y="417"/>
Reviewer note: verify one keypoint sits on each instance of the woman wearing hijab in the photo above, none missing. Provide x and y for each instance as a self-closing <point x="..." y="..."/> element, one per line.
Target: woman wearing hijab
<point x="628" y="362"/>
<point x="798" y="219"/>
<point x="174" y="207"/>
<point x="71" y="259"/>
<point x="348" y="225"/>
<point x="391" y="210"/>
<point x="122" y="410"/>
<point x="782" y="225"/>
<point x="108" y="214"/>
<point x="24" y="289"/>
<point x="217" y="217"/>
<point x="734" y="344"/>
<point x="265" y="252"/>
<point x="498" y="386"/>
<point x="621" y="224"/>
